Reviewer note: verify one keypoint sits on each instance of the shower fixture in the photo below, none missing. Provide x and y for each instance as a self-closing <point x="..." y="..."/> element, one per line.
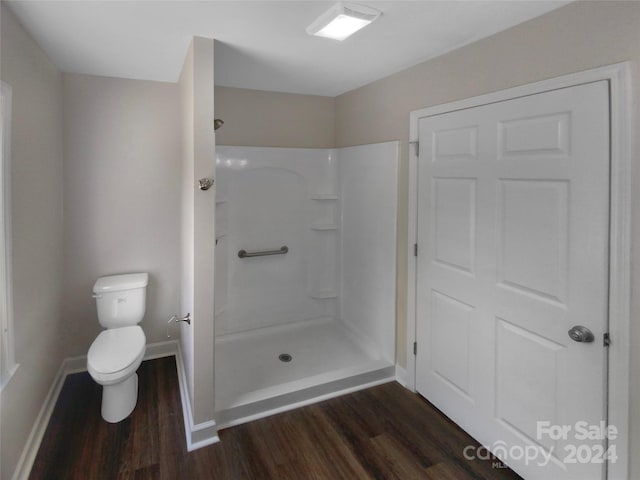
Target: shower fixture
<point x="205" y="183"/>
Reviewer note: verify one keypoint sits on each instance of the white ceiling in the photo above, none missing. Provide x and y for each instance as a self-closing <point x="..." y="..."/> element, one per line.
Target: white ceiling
<point x="262" y="44"/>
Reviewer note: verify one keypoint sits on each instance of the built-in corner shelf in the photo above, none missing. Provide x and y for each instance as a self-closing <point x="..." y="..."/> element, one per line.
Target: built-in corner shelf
<point x="220" y="311"/>
<point x="324" y="294"/>
<point x="220" y="233"/>
<point x="221" y="199"/>
<point x="324" y="226"/>
<point x="324" y="196"/>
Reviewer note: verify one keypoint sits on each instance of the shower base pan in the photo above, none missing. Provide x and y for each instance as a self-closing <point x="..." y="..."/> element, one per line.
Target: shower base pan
<point x="273" y="369"/>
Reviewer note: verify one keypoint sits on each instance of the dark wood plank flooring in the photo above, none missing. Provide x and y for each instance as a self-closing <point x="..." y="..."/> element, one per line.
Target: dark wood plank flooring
<point x="385" y="432"/>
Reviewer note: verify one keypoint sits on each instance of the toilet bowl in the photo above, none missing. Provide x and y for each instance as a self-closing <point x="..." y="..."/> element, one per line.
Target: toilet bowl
<point x="113" y="359"/>
<point x="117" y="352"/>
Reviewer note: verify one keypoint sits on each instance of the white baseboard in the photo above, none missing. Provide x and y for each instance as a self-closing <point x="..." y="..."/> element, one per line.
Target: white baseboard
<point x="77" y="365"/>
<point x="30" y="450"/>
<point x="161" y="349"/>
<point x="197" y="435"/>
<point x="401" y="376"/>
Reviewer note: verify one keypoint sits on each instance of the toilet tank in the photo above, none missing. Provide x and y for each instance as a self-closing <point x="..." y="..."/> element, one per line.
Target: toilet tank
<point x="121" y="299"/>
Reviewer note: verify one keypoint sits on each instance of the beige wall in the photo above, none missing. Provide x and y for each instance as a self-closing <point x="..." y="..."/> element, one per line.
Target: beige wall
<point x="576" y="37"/>
<point x="121" y="198"/>
<point x="36" y="182"/>
<point x="255" y="118"/>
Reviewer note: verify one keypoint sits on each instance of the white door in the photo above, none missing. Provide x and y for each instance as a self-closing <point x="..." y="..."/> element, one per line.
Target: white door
<point x="513" y="221"/>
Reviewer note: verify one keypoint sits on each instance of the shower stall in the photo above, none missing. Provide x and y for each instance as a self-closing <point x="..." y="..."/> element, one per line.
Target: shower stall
<point x="305" y="275"/>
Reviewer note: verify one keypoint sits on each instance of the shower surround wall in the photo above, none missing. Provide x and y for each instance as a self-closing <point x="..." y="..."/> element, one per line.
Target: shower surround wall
<point x="330" y="300"/>
<point x="265" y="200"/>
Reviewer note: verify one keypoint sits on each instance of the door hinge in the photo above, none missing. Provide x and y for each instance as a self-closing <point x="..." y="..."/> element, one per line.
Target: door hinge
<point x="415" y="249"/>
<point x="417" y="145"/>
<point x="415" y="348"/>
<point x="606" y="340"/>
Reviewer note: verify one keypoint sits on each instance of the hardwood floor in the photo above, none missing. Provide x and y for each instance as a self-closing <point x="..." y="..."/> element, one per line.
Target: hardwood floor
<point x="385" y="432"/>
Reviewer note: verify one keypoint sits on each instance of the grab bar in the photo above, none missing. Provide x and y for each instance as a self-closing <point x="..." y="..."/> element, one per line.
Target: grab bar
<point x="280" y="251"/>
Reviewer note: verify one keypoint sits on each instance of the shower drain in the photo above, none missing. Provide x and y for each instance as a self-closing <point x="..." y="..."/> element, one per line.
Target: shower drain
<point x="284" y="357"/>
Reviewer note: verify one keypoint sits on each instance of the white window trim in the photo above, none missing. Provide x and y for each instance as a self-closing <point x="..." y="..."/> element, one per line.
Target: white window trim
<point x="8" y="366"/>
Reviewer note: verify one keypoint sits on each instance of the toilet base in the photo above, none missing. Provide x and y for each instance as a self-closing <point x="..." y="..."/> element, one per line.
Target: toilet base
<point x="119" y="400"/>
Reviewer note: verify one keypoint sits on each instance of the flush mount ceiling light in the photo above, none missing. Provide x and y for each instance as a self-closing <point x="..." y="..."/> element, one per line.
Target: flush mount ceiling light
<point x="342" y="20"/>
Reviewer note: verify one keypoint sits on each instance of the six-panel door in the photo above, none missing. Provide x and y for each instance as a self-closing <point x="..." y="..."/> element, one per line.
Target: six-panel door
<point x="513" y="233"/>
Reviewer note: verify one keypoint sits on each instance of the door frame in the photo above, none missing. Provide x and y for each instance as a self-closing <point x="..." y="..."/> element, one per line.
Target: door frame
<point x="619" y="78"/>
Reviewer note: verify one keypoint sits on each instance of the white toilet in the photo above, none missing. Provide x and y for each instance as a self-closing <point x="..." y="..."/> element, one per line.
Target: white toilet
<point x="116" y="354"/>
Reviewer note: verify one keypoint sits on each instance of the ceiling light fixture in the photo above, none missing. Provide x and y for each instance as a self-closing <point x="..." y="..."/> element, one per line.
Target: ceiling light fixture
<point x="342" y="21"/>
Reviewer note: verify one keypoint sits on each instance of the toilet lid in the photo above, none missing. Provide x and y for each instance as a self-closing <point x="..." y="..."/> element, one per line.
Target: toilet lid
<point x="115" y="349"/>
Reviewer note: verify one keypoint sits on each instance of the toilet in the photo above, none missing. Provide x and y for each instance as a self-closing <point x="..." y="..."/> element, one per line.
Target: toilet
<point x="117" y="352"/>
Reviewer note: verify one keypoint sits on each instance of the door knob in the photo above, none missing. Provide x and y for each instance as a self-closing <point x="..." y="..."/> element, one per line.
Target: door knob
<point x="581" y="334"/>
